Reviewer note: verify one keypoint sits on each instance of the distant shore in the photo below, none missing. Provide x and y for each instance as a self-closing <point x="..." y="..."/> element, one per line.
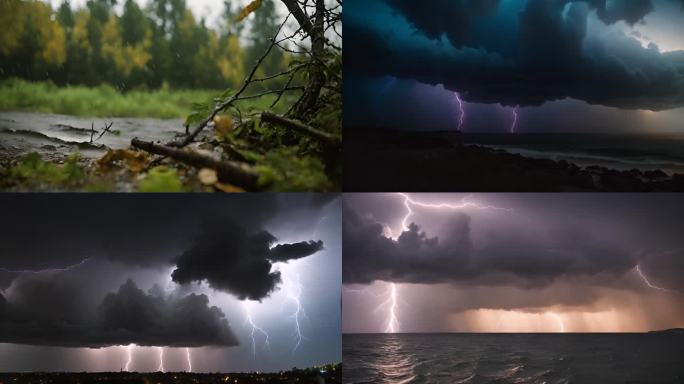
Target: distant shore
<point x="415" y="162"/>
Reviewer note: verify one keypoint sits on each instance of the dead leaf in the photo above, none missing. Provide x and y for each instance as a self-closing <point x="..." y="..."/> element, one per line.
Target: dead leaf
<point x="135" y="161"/>
<point x="207" y="176"/>
<point x="246" y="11"/>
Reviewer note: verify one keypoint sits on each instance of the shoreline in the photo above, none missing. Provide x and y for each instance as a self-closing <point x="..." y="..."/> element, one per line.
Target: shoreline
<point x="416" y="162"/>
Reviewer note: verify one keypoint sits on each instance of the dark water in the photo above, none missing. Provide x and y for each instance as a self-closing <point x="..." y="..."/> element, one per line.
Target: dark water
<point x="513" y="358"/>
<point x="617" y="151"/>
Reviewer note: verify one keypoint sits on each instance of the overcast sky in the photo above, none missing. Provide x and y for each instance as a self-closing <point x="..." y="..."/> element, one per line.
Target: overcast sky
<point x="512" y="262"/>
<point x="244" y="282"/>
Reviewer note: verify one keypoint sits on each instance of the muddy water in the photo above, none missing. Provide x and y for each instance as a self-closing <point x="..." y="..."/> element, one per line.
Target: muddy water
<point x="57" y="136"/>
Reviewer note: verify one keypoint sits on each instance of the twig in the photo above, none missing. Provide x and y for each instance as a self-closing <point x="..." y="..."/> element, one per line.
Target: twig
<point x="231" y="172"/>
<point x="325" y="137"/>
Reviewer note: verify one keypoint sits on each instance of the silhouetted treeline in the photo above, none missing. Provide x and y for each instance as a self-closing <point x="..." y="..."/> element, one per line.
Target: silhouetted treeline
<point x="161" y="44"/>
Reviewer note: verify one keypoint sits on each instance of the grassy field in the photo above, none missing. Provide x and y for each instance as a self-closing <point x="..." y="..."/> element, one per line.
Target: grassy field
<point x="106" y="101"/>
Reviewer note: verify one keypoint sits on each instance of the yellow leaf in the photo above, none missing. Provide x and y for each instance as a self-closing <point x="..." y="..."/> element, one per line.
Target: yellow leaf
<point x="251" y="7"/>
<point x="207" y="176"/>
<point x="134" y="161"/>
<point x="224" y="125"/>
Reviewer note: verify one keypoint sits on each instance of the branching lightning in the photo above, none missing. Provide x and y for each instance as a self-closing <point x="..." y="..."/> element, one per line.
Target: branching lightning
<point x="648" y="283"/>
<point x="461" y="114"/>
<point x="294" y="293"/>
<point x="46" y="270"/>
<point x="463" y="204"/>
<point x="392" y="302"/>
<point x="514" y="124"/>
<point x="187" y="355"/>
<point x="161" y="359"/>
<point x="255" y="329"/>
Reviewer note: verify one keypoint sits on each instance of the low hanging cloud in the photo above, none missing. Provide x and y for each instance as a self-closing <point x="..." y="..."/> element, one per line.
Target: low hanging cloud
<point x="230" y="258"/>
<point x="530" y="53"/>
<point x="516" y="257"/>
<point x="52" y="312"/>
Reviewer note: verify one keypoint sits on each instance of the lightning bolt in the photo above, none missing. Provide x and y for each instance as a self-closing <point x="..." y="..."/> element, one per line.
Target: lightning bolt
<point x="161" y="359"/>
<point x="294" y="293"/>
<point x="391" y="302"/>
<point x="255" y="329"/>
<point x="559" y="320"/>
<point x="645" y="279"/>
<point x="392" y="322"/>
<point x="187" y="355"/>
<point x="463" y="204"/>
<point x="514" y="124"/>
<point x="461" y="114"/>
<point x="47" y="270"/>
<point x="130" y="357"/>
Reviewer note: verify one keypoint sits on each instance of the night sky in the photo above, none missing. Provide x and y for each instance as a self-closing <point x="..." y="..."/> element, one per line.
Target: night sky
<point x="512" y="262"/>
<point x="562" y="65"/>
<point x="88" y="280"/>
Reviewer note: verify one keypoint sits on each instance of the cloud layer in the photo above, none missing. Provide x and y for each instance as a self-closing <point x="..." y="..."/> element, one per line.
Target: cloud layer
<point x="47" y="311"/>
<point x="522" y="53"/>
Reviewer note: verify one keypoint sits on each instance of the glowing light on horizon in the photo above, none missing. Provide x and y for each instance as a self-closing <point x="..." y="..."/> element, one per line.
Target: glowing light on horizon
<point x="648" y="283"/>
<point x="161" y="359"/>
<point x="187" y="355"/>
<point x="461" y="115"/>
<point x="255" y="329"/>
<point x="46" y="270"/>
<point x="514" y="124"/>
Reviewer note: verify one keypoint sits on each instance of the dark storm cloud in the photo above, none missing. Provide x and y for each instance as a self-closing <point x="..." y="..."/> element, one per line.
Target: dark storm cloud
<point x="51" y="311"/>
<point x="285" y="252"/>
<point x="538" y="52"/>
<point x="231" y="258"/>
<point x="132" y="316"/>
<point x="511" y="254"/>
<point x="201" y="236"/>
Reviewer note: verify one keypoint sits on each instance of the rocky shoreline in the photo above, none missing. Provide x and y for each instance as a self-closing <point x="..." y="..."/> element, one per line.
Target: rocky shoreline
<point x="415" y="162"/>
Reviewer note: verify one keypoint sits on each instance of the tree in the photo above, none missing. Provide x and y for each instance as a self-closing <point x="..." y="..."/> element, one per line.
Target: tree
<point x="264" y="25"/>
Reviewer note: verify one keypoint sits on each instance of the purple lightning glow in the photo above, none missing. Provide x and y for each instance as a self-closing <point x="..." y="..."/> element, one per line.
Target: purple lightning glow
<point x="514" y="124"/>
<point x="46" y="270"/>
<point x="461" y="115"/>
<point x="648" y="283"/>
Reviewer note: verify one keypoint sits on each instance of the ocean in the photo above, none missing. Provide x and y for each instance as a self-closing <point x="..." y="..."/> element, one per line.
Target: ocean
<point x="513" y="358"/>
<point x="616" y="151"/>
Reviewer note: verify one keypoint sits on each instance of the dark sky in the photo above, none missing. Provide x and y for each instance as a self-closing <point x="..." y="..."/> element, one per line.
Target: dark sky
<point x="568" y="65"/>
<point x="83" y="277"/>
<point x="513" y="262"/>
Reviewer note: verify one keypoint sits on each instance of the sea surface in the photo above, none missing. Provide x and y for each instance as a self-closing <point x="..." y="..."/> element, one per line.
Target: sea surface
<point x="513" y="358"/>
<point x="616" y="151"/>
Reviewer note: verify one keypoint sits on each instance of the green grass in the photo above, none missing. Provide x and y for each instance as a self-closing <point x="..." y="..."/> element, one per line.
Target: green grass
<point x="106" y="101"/>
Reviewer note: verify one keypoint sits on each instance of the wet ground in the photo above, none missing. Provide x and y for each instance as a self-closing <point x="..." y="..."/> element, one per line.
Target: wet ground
<point x="54" y="137"/>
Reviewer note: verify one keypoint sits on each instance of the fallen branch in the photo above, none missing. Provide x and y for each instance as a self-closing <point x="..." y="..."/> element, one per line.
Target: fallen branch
<point x="325" y="137"/>
<point x="229" y="172"/>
